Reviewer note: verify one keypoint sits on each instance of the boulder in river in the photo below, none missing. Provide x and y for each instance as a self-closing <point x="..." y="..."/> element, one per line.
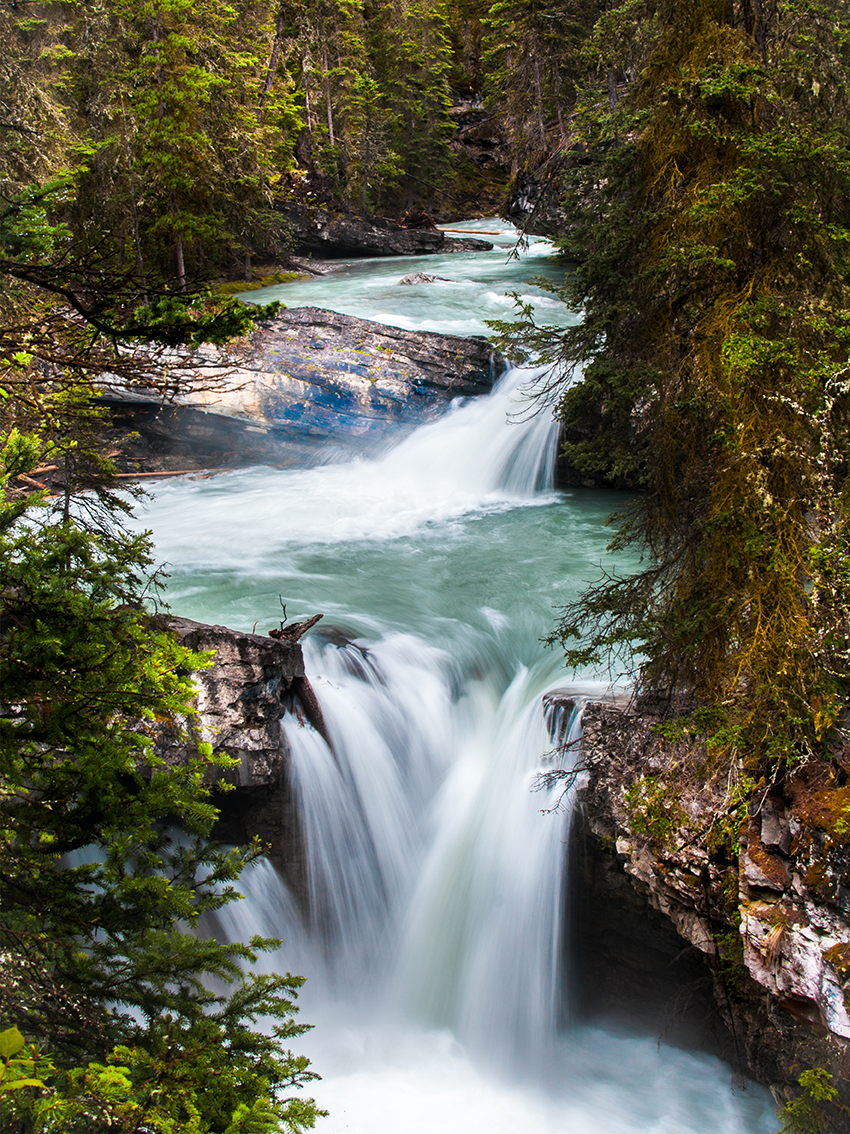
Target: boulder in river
<point x="254" y="680"/>
<point x="320" y="374"/>
<point x="422" y="277"/>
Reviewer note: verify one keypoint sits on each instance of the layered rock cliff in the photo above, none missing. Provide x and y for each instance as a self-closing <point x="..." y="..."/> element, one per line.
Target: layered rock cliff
<point x="758" y="882"/>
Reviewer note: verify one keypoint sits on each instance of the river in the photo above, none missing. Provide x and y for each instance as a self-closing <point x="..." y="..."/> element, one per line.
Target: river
<point x="434" y="952"/>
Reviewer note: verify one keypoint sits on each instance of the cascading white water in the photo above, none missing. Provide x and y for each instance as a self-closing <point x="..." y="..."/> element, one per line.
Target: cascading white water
<point x="433" y="944"/>
<point x="435" y="883"/>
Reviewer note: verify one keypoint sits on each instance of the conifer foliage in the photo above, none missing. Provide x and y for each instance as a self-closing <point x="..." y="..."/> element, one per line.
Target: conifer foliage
<point x="102" y="973"/>
<point x="710" y="239"/>
<point x="115" y="1014"/>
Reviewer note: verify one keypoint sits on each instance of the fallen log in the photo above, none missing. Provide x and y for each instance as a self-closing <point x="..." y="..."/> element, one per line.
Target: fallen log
<point x="305" y="693"/>
<point x="168" y="472"/>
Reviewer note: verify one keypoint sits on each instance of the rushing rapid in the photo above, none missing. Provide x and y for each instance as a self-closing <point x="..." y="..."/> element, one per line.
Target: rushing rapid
<point x="464" y="292"/>
<point x="434" y="936"/>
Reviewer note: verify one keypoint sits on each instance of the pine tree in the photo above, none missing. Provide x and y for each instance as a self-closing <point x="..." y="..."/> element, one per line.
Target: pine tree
<point x="411" y="58"/>
<point x="104" y="985"/>
<point x="96" y="970"/>
<point x="532" y="54"/>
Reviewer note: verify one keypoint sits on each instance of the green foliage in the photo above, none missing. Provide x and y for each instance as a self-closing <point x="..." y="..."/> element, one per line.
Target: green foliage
<point x="102" y="971"/>
<point x="806" y="1113"/>
<point x="653" y="809"/>
<point x="410" y="51"/>
<point x="373" y="162"/>
<point x="709" y="243"/>
<point x="532" y="51"/>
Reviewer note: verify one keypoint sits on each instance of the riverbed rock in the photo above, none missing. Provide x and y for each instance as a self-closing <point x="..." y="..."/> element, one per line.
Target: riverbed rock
<point x="772" y="917"/>
<point x="331" y="234"/>
<point x="326" y="375"/>
<point x="422" y="278"/>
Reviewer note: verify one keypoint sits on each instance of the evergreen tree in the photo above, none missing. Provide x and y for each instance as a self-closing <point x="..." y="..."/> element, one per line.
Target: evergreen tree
<point x="533" y="61"/>
<point x="411" y="56"/>
<point x="36" y="131"/>
<point x="372" y="162"/>
<point x="329" y="51"/>
<point x="710" y="238"/>
<point x="104" y="986"/>
<point x="96" y="970"/>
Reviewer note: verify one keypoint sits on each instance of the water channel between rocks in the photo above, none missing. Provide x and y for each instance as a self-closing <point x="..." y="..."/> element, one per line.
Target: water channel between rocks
<point x="435" y="950"/>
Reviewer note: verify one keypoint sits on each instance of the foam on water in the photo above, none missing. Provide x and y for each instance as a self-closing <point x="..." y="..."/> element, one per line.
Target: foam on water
<point x="471" y="460"/>
<point x="475" y="287"/>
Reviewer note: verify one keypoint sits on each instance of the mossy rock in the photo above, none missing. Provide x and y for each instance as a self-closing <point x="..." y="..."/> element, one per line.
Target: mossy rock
<point x="236" y="287"/>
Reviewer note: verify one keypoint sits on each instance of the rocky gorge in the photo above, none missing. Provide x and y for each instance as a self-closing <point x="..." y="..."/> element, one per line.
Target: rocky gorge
<point x="739" y="947"/>
<point x="679" y="906"/>
<point x="759" y="887"/>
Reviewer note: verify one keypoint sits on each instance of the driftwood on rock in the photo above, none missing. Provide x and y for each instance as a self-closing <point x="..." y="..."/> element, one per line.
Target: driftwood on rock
<point x="295" y="630"/>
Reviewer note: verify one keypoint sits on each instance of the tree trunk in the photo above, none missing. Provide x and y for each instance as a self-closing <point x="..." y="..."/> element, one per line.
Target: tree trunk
<point x="305" y="76"/>
<point x="271" y="70"/>
<point x="539" y="89"/>
<point x="328" y="94"/>
<point x="759" y="31"/>
<point x="179" y="261"/>
<point x="178" y="236"/>
<point x="612" y="89"/>
<point x="140" y="264"/>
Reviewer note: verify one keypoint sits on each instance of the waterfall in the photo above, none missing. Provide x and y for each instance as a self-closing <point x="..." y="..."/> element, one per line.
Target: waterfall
<point x="435" y="879"/>
<point x="496" y="445"/>
<point x="433" y="933"/>
<point x="434" y="872"/>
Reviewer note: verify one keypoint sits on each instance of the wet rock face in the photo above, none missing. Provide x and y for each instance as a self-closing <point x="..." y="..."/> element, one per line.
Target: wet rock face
<point x="534" y="205"/>
<point x="331" y="375"/>
<point x="325" y="233"/>
<point x="481" y="134"/>
<point x="795" y="901"/>
<point x="771" y="915"/>
<point x="422" y="278"/>
<point x="628" y="967"/>
<point x="241" y="699"/>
